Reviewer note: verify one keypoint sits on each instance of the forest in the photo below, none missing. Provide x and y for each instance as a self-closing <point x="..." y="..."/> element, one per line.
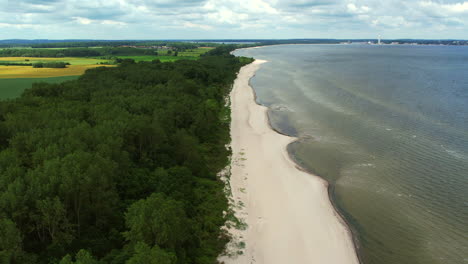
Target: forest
<point x="118" y="166"/>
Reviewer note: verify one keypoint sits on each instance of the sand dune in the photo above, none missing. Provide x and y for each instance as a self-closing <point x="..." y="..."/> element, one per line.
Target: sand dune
<point x="289" y="215"/>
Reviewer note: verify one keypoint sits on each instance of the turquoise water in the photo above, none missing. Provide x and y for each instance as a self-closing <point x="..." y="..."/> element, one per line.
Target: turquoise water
<point x="387" y="126"/>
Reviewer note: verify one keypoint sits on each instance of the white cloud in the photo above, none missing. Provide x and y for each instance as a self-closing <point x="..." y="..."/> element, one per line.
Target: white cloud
<point x="87" y="21"/>
<point x="83" y="20"/>
<point x="19" y="26"/>
<point x="390" y="21"/>
<point x="225" y="15"/>
<point x="113" y="23"/>
<point x="452" y="8"/>
<point x="357" y="10"/>
<point x="193" y="25"/>
<point x="233" y="18"/>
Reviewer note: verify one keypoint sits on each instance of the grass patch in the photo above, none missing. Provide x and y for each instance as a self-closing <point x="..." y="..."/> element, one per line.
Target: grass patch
<point x="12" y="88"/>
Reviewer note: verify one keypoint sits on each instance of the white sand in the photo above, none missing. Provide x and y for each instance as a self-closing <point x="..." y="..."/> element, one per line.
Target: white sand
<point x="289" y="215"/>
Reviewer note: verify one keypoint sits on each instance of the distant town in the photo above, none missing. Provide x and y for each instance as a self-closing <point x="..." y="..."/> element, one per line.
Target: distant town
<point x="410" y="42"/>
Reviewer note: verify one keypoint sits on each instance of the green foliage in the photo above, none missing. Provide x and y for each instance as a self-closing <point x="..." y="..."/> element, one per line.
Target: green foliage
<point x="155" y="255"/>
<point x="121" y="162"/>
<point x="157" y="220"/>
<point x="52" y="221"/>
<point x="52" y="64"/>
<point x="10" y="241"/>
<point x="12" y="63"/>
<point x="82" y="257"/>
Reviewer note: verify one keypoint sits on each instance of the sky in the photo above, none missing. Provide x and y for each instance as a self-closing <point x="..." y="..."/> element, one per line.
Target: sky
<point x="228" y="19"/>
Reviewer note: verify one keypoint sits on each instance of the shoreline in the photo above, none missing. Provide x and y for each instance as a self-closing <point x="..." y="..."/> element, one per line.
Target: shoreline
<point x="351" y="230"/>
<point x="288" y="212"/>
<point x="329" y="187"/>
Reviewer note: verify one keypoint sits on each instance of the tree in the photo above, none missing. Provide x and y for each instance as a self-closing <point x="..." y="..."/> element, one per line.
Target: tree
<point x="157" y="220"/>
<point x="155" y="255"/>
<point x="82" y="257"/>
<point x="38" y="65"/>
<point x="88" y="188"/>
<point x="177" y="182"/>
<point x="52" y="221"/>
<point x="10" y="241"/>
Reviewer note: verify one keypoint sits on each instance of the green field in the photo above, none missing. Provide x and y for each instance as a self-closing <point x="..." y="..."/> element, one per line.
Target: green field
<point x="161" y="58"/>
<point x="12" y="88"/>
<point x="191" y="54"/>
<point x="195" y="52"/>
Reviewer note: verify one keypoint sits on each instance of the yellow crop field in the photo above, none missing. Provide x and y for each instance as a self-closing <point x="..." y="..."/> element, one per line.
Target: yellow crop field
<point x="30" y="72"/>
<point x="71" y="60"/>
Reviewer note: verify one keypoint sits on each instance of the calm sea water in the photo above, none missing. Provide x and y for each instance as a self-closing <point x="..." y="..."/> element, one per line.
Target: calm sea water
<point x="387" y="126"/>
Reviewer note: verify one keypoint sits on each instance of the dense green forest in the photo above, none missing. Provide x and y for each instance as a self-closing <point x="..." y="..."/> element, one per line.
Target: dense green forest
<point x="119" y="166"/>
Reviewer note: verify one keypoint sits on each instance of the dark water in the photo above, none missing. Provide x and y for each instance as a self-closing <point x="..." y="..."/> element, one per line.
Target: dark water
<point x="387" y="126"/>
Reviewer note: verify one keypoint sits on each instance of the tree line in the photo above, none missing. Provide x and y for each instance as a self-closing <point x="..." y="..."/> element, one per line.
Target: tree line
<point x="85" y="44"/>
<point x="119" y="166"/>
<point x="12" y="63"/>
<point x="76" y="52"/>
<point x="51" y="64"/>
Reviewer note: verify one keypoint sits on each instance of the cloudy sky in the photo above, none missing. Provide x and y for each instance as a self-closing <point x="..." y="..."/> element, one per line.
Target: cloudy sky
<point x="197" y="19"/>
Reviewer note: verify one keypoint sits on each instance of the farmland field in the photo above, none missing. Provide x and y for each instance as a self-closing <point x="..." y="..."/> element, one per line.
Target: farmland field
<point x="71" y="60"/>
<point x="10" y="72"/>
<point x="78" y="66"/>
<point x="11" y="88"/>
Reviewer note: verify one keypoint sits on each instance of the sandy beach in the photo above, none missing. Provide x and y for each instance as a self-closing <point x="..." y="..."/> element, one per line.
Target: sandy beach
<point x="289" y="217"/>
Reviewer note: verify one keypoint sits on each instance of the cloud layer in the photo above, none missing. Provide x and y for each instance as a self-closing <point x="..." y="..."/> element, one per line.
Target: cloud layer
<point x="197" y="19"/>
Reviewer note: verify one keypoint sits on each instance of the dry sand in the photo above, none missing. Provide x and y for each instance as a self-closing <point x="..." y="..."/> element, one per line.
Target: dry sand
<point x="289" y="217"/>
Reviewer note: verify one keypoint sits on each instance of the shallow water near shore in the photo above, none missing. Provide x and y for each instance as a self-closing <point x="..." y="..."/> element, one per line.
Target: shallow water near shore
<point x="387" y="126"/>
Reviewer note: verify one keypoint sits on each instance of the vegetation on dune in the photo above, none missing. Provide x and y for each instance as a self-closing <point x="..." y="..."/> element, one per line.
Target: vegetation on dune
<point x="119" y="166"/>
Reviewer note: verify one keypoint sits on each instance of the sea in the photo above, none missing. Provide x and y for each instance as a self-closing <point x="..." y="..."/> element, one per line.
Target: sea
<point x="387" y="127"/>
